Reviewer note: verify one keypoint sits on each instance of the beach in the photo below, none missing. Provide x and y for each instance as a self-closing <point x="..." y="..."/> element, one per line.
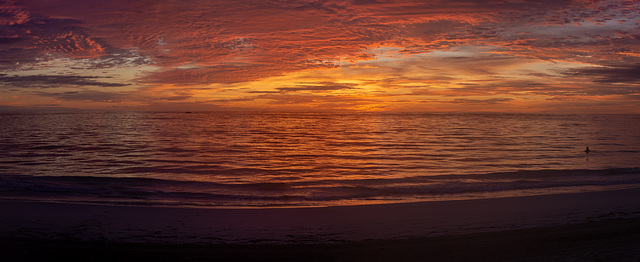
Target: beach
<point x="358" y="130"/>
<point x="578" y="226"/>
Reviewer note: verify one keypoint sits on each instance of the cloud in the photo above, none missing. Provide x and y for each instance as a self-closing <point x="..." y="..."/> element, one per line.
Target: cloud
<point x="315" y="100"/>
<point x="87" y="95"/>
<point x="30" y="38"/>
<point x="289" y="33"/>
<point x="611" y="74"/>
<point x="323" y="86"/>
<point x="11" y="14"/>
<point x="231" y="42"/>
<point x="34" y="37"/>
<point x="224" y="73"/>
<point x="52" y="81"/>
<point x="489" y="101"/>
<point x="406" y="46"/>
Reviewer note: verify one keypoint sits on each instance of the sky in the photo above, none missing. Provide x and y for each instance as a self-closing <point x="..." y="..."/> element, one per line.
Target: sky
<point x="545" y="56"/>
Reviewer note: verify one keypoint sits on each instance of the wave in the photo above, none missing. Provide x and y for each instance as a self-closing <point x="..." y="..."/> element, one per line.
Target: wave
<point x="157" y="191"/>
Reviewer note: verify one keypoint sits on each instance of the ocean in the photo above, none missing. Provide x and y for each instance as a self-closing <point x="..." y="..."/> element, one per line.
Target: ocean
<point x="276" y="159"/>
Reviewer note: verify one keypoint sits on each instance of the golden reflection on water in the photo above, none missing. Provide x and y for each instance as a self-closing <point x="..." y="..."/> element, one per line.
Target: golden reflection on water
<point x="310" y="158"/>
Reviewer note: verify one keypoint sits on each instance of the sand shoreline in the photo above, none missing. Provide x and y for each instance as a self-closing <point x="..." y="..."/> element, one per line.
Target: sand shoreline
<point x="373" y="228"/>
<point x="606" y="240"/>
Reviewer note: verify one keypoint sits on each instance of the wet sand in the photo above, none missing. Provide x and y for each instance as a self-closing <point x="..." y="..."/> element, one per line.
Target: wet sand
<point x="588" y="226"/>
<point x="611" y="240"/>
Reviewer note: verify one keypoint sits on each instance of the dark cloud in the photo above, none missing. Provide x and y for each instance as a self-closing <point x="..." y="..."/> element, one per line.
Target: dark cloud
<point x="87" y="95"/>
<point x="52" y="81"/>
<point x="11" y="14"/>
<point x="40" y="36"/>
<point x="10" y="40"/>
<point x="610" y="74"/>
<point x="28" y="38"/>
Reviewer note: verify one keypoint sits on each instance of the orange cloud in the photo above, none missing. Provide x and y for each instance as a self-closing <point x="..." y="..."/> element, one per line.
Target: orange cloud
<point x="324" y="54"/>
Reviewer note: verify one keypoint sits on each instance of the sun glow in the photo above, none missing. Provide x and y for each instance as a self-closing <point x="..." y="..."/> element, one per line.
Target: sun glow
<point x="408" y="56"/>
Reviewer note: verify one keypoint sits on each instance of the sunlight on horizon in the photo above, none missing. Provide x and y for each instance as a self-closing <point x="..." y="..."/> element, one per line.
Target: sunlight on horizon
<point x="565" y="57"/>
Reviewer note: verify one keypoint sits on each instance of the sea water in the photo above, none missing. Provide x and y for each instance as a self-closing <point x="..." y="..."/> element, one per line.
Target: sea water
<point x="276" y="159"/>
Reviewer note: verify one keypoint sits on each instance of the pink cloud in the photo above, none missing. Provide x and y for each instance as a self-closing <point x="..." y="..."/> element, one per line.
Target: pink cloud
<point x="201" y="42"/>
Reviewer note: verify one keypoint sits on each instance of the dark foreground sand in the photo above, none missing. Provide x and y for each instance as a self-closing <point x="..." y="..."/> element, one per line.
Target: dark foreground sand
<point x="588" y="226"/>
<point x="611" y="240"/>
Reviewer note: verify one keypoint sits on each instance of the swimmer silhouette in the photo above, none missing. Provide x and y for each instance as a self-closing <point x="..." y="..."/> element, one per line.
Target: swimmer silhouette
<point x="587" y="150"/>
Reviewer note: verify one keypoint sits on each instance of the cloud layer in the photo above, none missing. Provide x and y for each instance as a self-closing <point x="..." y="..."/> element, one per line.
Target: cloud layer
<point x="375" y="54"/>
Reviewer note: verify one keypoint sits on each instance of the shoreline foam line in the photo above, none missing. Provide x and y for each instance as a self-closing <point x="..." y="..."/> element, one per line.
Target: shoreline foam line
<point x="159" y="192"/>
